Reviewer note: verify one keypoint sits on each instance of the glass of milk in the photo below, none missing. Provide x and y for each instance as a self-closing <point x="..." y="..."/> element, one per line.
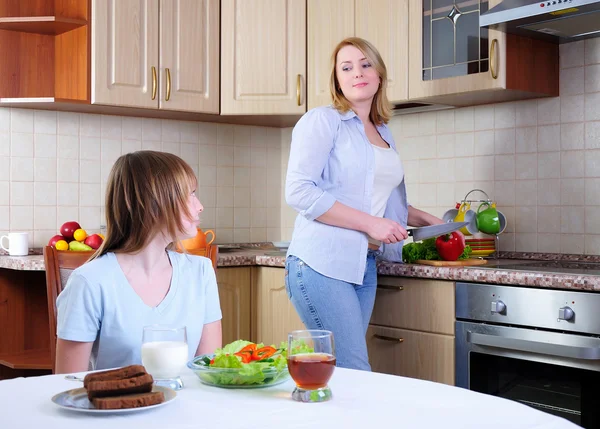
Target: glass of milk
<point x="165" y="354"/>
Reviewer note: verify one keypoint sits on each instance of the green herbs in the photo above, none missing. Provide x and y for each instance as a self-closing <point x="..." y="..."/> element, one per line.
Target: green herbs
<point x="426" y="250"/>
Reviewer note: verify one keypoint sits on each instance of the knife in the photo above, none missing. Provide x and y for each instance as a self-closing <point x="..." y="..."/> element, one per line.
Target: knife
<point x="426" y="232"/>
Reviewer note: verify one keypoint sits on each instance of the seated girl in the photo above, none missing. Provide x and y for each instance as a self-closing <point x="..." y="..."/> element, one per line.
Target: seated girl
<point x="135" y="279"/>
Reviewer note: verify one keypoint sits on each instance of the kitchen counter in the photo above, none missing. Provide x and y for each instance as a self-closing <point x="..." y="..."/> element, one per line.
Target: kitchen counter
<point x="504" y="272"/>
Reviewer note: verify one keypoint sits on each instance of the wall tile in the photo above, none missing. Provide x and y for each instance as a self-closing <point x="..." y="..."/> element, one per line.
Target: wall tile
<point x="68" y="124"/>
<point x="44" y="146"/>
<point x="44" y="122"/>
<point x="592" y="51"/>
<point x="21" y="121"/>
<point x="572" y="136"/>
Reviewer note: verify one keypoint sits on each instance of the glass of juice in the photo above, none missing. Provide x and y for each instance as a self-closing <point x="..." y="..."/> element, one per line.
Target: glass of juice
<point x="165" y="354"/>
<point x="311" y="361"/>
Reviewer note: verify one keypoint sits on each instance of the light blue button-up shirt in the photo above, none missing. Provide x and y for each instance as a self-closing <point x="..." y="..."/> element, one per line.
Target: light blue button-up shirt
<point x="331" y="159"/>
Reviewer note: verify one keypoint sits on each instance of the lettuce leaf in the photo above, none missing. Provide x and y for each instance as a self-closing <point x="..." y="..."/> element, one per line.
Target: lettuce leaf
<point x="232" y="348"/>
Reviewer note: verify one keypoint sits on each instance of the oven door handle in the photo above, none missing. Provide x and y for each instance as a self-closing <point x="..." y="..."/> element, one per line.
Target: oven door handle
<point x="552" y="349"/>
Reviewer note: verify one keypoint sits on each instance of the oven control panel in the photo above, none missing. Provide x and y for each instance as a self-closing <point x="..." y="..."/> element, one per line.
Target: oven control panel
<point x="533" y="307"/>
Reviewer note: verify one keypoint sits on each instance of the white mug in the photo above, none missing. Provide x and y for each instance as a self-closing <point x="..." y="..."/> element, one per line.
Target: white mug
<point x="18" y="243"/>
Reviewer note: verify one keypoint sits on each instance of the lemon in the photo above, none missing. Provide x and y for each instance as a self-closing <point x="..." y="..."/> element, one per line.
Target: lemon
<point x="61" y="245"/>
<point x="79" y="234"/>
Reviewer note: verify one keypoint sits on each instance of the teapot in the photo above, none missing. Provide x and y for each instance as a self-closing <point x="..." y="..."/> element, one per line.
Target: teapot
<point x="199" y="241"/>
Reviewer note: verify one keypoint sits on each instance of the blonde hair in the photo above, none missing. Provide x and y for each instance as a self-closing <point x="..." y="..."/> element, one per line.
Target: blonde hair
<point x="146" y="192"/>
<point x="380" y="107"/>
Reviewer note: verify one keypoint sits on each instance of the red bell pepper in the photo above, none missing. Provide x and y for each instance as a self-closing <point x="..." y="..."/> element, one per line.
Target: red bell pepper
<point x="246" y="356"/>
<point x="249" y="348"/>
<point x="263" y="353"/>
<point x="450" y="246"/>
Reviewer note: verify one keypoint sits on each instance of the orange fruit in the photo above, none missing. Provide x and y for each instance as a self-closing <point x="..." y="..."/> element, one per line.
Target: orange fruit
<point x="61" y="245"/>
<point x="80" y="234"/>
<point x="101" y="236"/>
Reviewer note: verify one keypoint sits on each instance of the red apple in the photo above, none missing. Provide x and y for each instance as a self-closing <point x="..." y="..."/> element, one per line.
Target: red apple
<point x="94" y="241"/>
<point x="68" y="228"/>
<point x="54" y="239"/>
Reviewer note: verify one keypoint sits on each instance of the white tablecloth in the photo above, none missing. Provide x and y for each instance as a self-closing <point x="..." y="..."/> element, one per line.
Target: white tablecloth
<point x="361" y="400"/>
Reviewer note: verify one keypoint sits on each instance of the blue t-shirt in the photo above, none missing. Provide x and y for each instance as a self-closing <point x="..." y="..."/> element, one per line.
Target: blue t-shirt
<point x="99" y="305"/>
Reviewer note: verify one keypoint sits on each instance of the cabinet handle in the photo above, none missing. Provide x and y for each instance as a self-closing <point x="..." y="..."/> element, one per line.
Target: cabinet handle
<point x="154" y="82"/>
<point x="386" y="338"/>
<point x="390" y="287"/>
<point x="298" y="90"/>
<point x="493" y="67"/>
<point x="168" y="97"/>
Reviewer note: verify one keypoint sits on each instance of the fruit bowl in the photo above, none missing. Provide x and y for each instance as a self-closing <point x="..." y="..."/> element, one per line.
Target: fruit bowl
<point x="236" y="378"/>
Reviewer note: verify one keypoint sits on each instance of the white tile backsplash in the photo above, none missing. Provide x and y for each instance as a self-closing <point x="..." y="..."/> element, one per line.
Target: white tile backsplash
<point x="54" y="167"/>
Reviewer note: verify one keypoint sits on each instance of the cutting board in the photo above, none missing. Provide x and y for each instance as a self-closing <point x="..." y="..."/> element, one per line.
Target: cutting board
<point x="465" y="263"/>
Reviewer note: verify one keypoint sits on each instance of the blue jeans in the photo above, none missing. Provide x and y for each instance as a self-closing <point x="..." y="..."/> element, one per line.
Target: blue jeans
<point x="341" y="307"/>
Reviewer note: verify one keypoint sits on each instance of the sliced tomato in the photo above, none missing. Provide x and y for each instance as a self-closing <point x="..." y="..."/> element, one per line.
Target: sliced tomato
<point x="249" y="348"/>
<point x="263" y="353"/>
<point x="246" y="356"/>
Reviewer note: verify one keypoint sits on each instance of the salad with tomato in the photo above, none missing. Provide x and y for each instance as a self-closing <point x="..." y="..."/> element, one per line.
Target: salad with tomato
<point x="244" y="363"/>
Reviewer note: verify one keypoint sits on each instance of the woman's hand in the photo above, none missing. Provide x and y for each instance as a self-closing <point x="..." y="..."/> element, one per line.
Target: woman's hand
<point x="386" y="230"/>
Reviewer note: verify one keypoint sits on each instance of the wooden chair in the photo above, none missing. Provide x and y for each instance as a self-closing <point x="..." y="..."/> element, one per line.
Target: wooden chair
<point x="211" y="252"/>
<point x="59" y="266"/>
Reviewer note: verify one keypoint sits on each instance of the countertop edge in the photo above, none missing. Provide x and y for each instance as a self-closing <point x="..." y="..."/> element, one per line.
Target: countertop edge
<point x="466" y="274"/>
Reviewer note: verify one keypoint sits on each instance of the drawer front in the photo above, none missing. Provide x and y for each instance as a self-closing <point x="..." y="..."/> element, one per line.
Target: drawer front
<point x="422" y="305"/>
<point x="411" y="354"/>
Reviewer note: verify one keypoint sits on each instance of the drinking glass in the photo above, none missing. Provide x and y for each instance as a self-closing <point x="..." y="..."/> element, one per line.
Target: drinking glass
<point x="311" y="362"/>
<point x="165" y="354"/>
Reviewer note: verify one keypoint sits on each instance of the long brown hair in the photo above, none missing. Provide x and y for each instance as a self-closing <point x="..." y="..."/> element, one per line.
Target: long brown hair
<point x="380" y="107"/>
<point x="147" y="191"/>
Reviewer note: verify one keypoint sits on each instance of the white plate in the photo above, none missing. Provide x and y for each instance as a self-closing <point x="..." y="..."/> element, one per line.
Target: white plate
<point x="77" y="400"/>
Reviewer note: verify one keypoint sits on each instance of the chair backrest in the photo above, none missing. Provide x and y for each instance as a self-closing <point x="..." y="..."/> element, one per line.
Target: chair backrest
<point x="211" y="252"/>
<point x="59" y="266"/>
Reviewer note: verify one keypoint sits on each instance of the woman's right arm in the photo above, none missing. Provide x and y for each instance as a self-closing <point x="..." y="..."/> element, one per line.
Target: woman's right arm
<point x="72" y="356"/>
<point x="312" y="141"/>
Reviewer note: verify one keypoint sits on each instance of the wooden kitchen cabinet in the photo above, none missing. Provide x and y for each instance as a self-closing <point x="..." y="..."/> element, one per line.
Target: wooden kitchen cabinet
<point x="255" y="305"/>
<point x="263" y="57"/>
<point x="235" y="298"/>
<point x="157" y="54"/>
<point x="457" y="64"/>
<point x="413" y="354"/>
<point x="275" y="314"/>
<point x="411" y="332"/>
<point x="324" y="33"/>
<point x="189" y="55"/>
<point x="44" y="46"/>
<point x="384" y="23"/>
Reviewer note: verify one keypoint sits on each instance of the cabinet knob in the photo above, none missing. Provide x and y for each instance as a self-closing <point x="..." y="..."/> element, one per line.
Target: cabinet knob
<point x="566" y="313"/>
<point x="498" y="307"/>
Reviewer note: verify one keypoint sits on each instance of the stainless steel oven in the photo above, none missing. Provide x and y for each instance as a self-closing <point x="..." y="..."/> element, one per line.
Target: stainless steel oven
<point x="532" y="345"/>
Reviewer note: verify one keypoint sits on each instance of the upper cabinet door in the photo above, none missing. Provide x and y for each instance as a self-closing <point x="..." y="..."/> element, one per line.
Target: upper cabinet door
<point x="449" y="53"/>
<point x="384" y="23"/>
<point x="125" y="52"/>
<point x="329" y="22"/>
<point x="263" y="57"/>
<point x="189" y="55"/>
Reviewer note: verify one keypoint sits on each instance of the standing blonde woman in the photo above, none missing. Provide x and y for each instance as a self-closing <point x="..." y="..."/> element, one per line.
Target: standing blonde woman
<point x="134" y="280"/>
<point x="346" y="180"/>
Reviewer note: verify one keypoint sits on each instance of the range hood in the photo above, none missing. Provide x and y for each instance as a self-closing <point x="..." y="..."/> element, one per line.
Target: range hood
<point x="557" y="21"/>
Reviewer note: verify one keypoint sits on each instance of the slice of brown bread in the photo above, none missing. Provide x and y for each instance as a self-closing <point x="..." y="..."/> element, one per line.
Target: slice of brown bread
<point x="138" y="384"/>
<point x="115" y="374"/>
<point x="129" y="401"/>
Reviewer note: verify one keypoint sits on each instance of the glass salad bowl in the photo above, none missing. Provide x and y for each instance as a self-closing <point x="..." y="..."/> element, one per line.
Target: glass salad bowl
<point x="232" y="368"/>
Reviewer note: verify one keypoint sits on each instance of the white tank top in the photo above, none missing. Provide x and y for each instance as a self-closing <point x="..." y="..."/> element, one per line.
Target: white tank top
<point x="388" y="175"/>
